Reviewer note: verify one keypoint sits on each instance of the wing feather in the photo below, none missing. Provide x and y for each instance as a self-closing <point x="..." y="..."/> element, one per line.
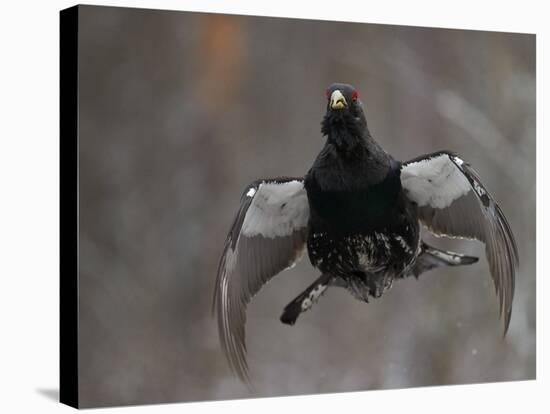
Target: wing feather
<point x="453" y="202"/>
<point x="268" y="235"/>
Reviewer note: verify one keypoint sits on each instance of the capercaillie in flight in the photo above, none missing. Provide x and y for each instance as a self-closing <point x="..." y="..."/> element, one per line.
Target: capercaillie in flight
<point x="358" y="212"/>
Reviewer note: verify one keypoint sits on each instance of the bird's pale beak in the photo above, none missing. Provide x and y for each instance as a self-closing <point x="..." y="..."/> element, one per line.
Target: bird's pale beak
<point x="337" y="100"/>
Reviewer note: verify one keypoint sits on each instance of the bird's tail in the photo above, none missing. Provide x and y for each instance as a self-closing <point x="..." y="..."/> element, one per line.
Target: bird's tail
<point x="430" y="258"/>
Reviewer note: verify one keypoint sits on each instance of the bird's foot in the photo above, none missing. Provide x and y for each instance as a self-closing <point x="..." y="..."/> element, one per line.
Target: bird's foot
<point x="305" y="300"/>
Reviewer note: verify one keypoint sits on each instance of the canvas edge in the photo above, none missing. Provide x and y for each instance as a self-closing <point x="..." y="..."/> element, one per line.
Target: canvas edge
<point x="68" y="234"/>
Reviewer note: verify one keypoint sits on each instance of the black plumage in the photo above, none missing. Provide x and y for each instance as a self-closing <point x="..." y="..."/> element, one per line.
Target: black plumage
<point x="357" y="212"/>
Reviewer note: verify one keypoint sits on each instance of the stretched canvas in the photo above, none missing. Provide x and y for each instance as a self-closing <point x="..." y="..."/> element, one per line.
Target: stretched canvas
<point x="168" y="116"/>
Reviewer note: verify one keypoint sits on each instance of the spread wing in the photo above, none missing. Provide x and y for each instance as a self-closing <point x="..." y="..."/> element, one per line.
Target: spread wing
<point x="452" y="202"/>
<point x="268" y="236"/>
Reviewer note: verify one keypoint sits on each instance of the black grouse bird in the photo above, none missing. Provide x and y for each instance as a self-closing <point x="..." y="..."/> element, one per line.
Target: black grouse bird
<point x="358" y="211"/>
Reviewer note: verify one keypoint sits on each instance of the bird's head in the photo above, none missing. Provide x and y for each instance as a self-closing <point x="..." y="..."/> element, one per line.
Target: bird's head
<point x="344" y="123"/>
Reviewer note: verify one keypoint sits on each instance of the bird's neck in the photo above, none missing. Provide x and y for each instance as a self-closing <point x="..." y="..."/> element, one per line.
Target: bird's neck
<point x="346" y="133"/>
<point x="354" y="142"/>
<point x="353" y="149"/>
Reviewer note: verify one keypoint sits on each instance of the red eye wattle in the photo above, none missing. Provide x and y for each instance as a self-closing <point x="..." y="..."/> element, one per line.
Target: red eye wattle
<point x="354" y="95"/>
<point x="327" y="93"/>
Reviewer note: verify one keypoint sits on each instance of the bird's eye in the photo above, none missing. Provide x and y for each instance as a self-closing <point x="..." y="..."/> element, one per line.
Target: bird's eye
<point x="354" y="96"/>
<point x="327" y="93"/>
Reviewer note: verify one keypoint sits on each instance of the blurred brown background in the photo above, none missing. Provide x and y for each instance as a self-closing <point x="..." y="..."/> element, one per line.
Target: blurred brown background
<point x="180" y="111"/>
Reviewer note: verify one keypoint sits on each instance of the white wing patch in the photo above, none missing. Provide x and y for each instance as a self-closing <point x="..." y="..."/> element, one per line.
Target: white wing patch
<point x="436" y="181"/>
<point x="276" y="210"/>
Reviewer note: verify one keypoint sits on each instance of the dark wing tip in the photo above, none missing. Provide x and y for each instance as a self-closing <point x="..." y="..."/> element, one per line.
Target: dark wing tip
<point x="477" y="215"/>
<point x="230" y="318"/>
<point x="512" y="265"/>
<point x="248" y="261"/>
<point x="219" y="275"/>
<point x="507" y="319"/>
<point x="504" y="251"/>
